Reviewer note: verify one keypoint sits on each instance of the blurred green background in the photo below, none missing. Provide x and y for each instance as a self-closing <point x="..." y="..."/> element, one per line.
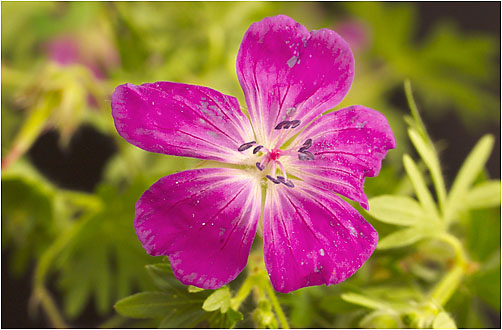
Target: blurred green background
<point x="69" y="182"/>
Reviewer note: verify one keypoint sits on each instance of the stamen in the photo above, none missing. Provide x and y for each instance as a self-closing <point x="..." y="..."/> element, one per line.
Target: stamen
<point x="281" y="124"/>
<point x="306" y="155"/>
<point x="306" y="145"/>
<point x="273" y="180"/>
<point x="246" y="146"/>
<point x="285" y="124"/>
<point x="295" y="123"/>
<point x="282" y="169"/>
<point x="256" y="149"/>
<point x="259" y="166"/>
<point x="287" y="183"/>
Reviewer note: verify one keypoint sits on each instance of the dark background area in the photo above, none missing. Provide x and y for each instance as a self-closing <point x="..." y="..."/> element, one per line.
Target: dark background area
<point x="81" y="166"/>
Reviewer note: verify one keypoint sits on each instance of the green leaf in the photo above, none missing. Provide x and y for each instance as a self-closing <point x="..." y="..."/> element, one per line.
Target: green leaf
<point x="403" y="237"/>
<point x="105" y="257"/>
<point x="28" y="219"/>
<point x="415" y="121"/>
<point x="470" y="169"/>
<point x="146" y="305"/>
<point x="219" y="299"/>
<point x="188" y="317"/>
<point x="232" y="317"/>
<point x="397" y="210"/>
<point x="426" y="151"/>
<point x="163" y="277"/>
<point x="443" y="321"/>
<point x="227" y="320"/>
<point x="364" y="301"/>
<point x="418" y="182"/>
<point x="194" y="289"/>
<point x="484" y="195"/>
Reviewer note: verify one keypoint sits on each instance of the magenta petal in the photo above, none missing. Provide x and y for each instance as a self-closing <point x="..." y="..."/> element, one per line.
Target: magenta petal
<point x="348" y="146"/>
<point x="289" y="73"/>
<point x="312" y="237"/>
<point x="204" y="220"/>
<point x="182" y="120"/>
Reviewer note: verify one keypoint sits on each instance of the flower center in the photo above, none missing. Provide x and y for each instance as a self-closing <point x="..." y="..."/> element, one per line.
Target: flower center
<point x="269" y="162"/>
<point x="274" y="154"/>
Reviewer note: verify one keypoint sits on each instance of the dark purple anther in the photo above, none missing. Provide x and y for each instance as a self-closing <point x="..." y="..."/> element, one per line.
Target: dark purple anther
<point x="256" y="149"/>
<point x="295" y="123"/>
<point x="246" y="146"/>
<point x="287" y="124"/>
<point x="287" y="183"/>
<point x="281" y="124"/>
<point x="259" y="166"/>
<point x="273" y="180"/>
<point x="306" y="155"/>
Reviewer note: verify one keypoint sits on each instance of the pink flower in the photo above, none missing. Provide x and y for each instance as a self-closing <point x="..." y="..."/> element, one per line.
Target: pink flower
<point x="91" y="50"/>
<point x="356" y="33"/>
<point x="280" y="169"/>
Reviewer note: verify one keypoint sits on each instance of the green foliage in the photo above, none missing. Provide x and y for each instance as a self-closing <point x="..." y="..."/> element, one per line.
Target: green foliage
<point x="218" y="300"/>
<point x="104" y="259"/>
<point x="427" y="220"/>
<point x="178" y="306"/>
<point x="27" y="219"/>
<point x="397" y="210"/>
<point x="438" y="260"/>
<point x="441" y="64"/>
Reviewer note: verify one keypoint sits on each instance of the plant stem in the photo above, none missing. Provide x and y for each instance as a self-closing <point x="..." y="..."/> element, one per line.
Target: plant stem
<point x="275" y="302"/>
<point x="40" y="293"/>
<point x="449" y="283"/>
<point x="243" y="292"/>
<point x="457" y="247"/>
<point x="50" y="308"/>
<point x="414" y="109"/>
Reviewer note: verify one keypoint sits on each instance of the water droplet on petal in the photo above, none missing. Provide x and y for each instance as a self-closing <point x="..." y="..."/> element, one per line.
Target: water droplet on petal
<point x="292" y="61"/>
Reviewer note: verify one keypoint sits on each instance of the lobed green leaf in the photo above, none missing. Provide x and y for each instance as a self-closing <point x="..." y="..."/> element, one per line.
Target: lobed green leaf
<point x="146" y="305"/>
<point x="163" y="277"/>
<point x="183" y="318"/>
<point x="418" y="182"/>
<point x="364" y="301"/>
<point x="470" y="169"/>
<point x="426" y="151"/>
<point x="396" y="210"/>
<point x="403" y="237"/>
<point x="219" y="299"/>
<point x="484" y="195"/>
